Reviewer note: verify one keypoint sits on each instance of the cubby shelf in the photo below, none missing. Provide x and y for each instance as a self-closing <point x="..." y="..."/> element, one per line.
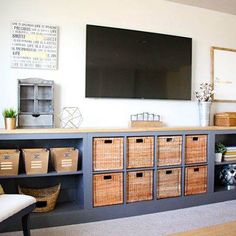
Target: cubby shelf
<point x="225" y="188"/>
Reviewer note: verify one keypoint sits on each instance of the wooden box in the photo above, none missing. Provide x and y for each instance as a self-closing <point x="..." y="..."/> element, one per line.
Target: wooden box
<point x="195" y="180"/>
<point x="140" y="152"/>
<point x="107" y="189"/>
<point x="195" y="149"/>
<point x="9" y="162"/>
<point x="225" y="119"/>
<point x="107" y="153"/>
<point x="36" y="160"/>
<point x="139" y="186"/>
<point x="168" y="183"/>
<point x="169" y="150"/>
<point x="65" y="159"/>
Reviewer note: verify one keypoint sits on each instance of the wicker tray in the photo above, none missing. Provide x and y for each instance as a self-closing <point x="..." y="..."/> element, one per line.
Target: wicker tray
<point x="46" y="198"/>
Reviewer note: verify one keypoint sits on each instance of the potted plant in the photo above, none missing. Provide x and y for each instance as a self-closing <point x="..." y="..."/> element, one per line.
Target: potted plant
<point x="220" y="149"/>
<point x="10" y="118"/>
<point x="204" y="97"/>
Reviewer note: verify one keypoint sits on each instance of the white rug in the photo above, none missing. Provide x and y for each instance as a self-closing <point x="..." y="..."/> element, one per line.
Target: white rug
<point x="157" y="224"/>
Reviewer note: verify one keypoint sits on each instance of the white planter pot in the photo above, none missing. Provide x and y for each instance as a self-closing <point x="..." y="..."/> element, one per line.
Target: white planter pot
<point x="204" y="113"/>
<point x="218" y="157"/>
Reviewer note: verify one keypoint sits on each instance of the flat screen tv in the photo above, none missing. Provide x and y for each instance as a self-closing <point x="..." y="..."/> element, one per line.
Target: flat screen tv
<point x="123" y="63"/>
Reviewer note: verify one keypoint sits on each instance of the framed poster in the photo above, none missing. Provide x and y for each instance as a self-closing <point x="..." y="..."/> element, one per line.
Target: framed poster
<point x="223" y="62"/>
<point x="34" y="46"/>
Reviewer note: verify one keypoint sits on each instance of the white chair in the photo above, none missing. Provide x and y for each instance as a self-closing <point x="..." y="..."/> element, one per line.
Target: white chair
<point x="15" y="206"/>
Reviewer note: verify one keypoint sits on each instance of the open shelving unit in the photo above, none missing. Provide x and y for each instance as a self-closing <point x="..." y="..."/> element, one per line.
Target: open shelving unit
<point x="75" y="201"/>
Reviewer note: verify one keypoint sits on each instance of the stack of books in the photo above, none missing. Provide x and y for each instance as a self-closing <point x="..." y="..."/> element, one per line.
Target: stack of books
<point x="230" y="154"/>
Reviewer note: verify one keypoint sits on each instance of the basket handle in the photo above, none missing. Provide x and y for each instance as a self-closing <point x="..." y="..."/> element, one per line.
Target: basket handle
<point x="106" y="177"/>
<point x="169" y="139"/>
<point x="41" y="204"/>
<point x="195" y="138"/>
<point x="67" y="155"/>
<point x="139" y="175"/>
<point x="196" y="169"/>
<point x="139" y="140"/>
<point x="36" y="155"/>
<point x="6" y="157"/>
<point x="168" y="172"/>
<point x="108" y="141"/>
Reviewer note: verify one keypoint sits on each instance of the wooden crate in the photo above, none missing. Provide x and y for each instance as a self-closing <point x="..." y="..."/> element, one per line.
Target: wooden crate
<point x="225" y="119"/>
<point x="196" y="149"/>
<point x="139" y="186"/>
<point x="168" y="183"/>
<point x="195" y="180"/>
<point x="65" y="159"/>
<point x="140" y="152"/>
<point x="107" y="153"/>
<point x="169" y="150"/>
<point x="107" y="189"/>
<point x="9" y="162"/>
<point x="36" y="160"/>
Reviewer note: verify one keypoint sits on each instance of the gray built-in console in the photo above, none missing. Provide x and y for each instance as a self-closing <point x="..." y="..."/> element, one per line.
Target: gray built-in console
<point x="35" y="103"/>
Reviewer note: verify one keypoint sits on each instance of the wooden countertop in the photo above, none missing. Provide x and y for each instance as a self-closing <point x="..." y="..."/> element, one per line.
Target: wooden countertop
<point x="108" y="130"/>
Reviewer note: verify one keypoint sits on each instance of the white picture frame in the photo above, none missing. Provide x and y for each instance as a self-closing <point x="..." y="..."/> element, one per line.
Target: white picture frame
<point x="223" y="61"/>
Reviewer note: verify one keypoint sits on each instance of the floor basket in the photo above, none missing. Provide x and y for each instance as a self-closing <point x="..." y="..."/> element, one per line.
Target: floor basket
<point x="46" y="198"/>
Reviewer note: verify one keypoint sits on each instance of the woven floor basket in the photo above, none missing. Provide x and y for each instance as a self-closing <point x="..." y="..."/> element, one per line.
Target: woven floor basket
<point x="46" y="198"/>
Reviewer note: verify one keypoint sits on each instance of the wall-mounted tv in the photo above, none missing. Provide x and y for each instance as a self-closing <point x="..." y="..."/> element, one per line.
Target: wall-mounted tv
<point x="123" y="63"/>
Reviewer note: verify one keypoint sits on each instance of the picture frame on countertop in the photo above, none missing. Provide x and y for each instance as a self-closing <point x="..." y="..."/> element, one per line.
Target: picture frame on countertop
<point x="223" y="74"/>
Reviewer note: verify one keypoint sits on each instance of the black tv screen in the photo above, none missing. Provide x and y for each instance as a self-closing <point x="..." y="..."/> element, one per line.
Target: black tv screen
<point x="124" y="63"/>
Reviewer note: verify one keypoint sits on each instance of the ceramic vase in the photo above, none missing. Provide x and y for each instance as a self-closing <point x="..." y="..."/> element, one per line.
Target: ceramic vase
<point x="204" y="113"/>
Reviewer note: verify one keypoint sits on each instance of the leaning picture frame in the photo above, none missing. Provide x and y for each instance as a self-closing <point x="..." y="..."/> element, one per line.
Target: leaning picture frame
<point x="223" y="74"/>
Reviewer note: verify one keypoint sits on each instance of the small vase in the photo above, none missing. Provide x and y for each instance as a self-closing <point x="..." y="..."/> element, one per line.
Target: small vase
<point x="10" y="123"/>
<point x="218" y="157"/>
<point x="204" y="113"/>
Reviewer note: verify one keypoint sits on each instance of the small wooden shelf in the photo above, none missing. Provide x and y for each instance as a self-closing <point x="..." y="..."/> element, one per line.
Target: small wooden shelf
<point x="225" y="163"/>
<point x="53" y="173"/>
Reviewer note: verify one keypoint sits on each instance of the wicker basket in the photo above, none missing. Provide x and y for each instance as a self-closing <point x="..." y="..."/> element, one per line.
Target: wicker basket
<point x="169" y="183"/>
<point x="139" y="186"/>
<point x="9" y="162"/>
<point x="107" y="153"/>
<point x="107" y="189"/>
<point x="195" y="180"/>
<point x="65" y="159"/>
<point x="196" y="149"/>
<point x="140" y="152"/>
<point x="169" y="149"/>
<point x="225" y="119"/>
<point x="46" y="198"/>
<point x="36" y="160"/>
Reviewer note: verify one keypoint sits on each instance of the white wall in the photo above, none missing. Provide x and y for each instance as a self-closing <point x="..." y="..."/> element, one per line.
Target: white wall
<point x="207" y="28"/>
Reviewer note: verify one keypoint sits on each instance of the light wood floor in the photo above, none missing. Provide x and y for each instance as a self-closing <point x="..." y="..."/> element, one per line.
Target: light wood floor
<point x="227" y="229"/>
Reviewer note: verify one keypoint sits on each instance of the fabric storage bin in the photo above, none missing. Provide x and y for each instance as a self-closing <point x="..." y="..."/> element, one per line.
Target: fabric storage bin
<point x="169" y="183"/>
<point x="195" y="180"/>
<point x="140" y="152"/>
<point x="139" y="186"/>
<point x="108" y="153"/>
<point x="169" y="150"/>
<point x="107" y="189"/>
<point x="196" y="149"/>
<point x="46" y="198"/>
<point x="65" y="159"/>
<point x="9" y="162"/>
<point x="36" y="160"/>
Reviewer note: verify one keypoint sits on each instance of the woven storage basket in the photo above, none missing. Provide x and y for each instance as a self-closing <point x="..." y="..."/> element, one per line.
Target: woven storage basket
<point x="140" y="152"/>
<point x="195" y="180"/>
<point x="196" y="149"/>
<point x="65" y="159"/>
<point x="225" y="119"/>
<point x="169" y="150"/>
<point x="46" y="198"/>
<point x="9" y="162"/>
<point x="107" y="189"/>
<point x="169" y="183"/>
<point x="107" y="153"/>
<point x="36" y="160"/>
<point x="139" y="186"/>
